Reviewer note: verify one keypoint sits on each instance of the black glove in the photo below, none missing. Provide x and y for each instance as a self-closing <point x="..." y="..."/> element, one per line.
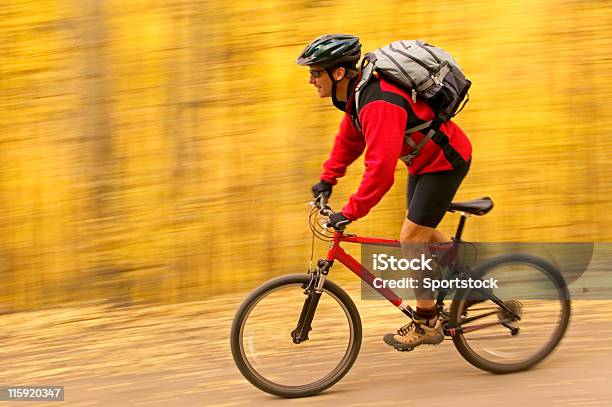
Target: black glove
<point x="322" y="187"/>
<point x="338" y="221"/>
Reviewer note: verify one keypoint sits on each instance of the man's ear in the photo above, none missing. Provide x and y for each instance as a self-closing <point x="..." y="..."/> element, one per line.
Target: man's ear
<point x="339" y="73"/>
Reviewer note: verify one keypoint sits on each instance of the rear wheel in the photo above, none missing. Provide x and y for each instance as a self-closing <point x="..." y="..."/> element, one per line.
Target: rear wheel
<point x="263" y="346"/>
<point x="508" y="340"/>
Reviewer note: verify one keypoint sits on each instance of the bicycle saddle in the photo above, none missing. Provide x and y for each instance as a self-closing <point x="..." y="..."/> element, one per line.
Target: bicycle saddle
<point x="475" y="207"/>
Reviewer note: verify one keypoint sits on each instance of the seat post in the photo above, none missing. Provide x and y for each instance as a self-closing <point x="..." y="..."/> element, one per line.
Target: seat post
<point x="459" y="232"/>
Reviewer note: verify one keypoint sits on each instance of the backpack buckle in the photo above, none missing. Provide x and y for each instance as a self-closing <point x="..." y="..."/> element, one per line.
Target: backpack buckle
<point x="409" y="157"/>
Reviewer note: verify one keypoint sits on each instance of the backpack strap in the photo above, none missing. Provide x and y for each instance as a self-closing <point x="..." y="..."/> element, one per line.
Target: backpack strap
<point x="366" y="74"/>
<point x="417" y="128"/>
<point x="434" y="127"/>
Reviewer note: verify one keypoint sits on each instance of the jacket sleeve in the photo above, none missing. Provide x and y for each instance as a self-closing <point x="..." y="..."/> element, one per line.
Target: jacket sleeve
<point x="383" y="125"/>
<point x="348" y="145"/>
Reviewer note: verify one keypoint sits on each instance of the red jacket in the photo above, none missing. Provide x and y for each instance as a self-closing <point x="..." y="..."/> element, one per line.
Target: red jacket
<point x="386" y="111"/>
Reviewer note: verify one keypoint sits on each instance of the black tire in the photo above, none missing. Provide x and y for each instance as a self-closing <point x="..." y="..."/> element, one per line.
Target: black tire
<point x="558" y="326"/>
<point x="241" y="359"/>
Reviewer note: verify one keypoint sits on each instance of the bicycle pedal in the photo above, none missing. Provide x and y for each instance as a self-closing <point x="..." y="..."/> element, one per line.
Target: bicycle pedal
<point x="400" y="349"/>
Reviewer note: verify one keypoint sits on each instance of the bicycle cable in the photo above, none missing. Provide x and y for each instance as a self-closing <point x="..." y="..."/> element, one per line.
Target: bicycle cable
<point x="311" y="254"/>
<point x="312" y="222"/>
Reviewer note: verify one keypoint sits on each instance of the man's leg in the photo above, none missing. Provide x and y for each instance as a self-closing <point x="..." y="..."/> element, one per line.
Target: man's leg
<point x="412" y="233"/>
<point x="426" y="328"/>
<point x="428" y="197"/>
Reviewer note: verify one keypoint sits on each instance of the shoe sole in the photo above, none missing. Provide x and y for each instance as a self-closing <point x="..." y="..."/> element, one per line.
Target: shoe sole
<point x="403" y="347"/>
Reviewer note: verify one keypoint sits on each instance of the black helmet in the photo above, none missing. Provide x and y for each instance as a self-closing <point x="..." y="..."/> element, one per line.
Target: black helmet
<point x="331" y="50"/>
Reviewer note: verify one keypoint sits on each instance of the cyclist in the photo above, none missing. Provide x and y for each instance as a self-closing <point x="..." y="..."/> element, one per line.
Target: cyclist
<point x="385" y="112"/>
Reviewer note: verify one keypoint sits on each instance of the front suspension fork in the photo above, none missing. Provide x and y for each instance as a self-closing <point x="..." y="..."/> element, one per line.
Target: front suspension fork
<point x="313" y="291"/>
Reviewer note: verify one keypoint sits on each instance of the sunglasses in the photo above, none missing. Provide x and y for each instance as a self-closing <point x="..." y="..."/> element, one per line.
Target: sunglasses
<point x="316" y="74"/>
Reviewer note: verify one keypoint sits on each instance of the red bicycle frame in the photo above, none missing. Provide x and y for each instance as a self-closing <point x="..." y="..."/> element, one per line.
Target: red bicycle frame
<point x="335" y="252"/>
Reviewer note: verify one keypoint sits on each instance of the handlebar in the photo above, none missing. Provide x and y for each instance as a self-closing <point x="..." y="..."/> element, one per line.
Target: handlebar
<point x="320" y="202"/>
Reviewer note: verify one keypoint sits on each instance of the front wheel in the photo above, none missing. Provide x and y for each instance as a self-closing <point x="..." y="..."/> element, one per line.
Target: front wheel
<point x="522" y="332"/>
<point x="263" y="346"/>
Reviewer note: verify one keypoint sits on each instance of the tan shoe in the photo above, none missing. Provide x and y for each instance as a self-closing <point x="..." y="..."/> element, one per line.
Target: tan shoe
<point x="414" y="334"/>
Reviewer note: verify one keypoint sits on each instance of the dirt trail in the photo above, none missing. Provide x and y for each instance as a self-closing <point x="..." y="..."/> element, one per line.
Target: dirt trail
<point x="178" y="355"/>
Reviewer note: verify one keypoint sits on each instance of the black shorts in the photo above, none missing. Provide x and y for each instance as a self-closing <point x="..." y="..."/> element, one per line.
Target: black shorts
<point x="428" y="195"/>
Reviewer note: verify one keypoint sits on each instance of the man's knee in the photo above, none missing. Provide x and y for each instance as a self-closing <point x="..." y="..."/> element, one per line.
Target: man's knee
<point x="413" y="233"/>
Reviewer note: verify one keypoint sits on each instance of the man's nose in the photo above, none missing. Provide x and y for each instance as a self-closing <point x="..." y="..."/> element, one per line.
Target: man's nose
<point x="311" y="79"/>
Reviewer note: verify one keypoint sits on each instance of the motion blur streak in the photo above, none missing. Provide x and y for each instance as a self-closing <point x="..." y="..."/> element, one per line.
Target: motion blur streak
<point x="159" y="152"/>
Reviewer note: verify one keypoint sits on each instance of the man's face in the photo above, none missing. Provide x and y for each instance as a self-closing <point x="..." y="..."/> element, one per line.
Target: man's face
<point x="321" y="81"/>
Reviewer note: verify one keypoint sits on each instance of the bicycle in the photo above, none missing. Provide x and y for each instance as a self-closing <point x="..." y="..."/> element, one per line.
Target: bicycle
<point x="281" y="348"/>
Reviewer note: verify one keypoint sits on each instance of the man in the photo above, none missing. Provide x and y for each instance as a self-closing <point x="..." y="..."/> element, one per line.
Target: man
<point x="385" y="112"/>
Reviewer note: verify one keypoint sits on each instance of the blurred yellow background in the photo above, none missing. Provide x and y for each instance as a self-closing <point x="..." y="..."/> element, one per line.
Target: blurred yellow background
<point x="163" y="151"/>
